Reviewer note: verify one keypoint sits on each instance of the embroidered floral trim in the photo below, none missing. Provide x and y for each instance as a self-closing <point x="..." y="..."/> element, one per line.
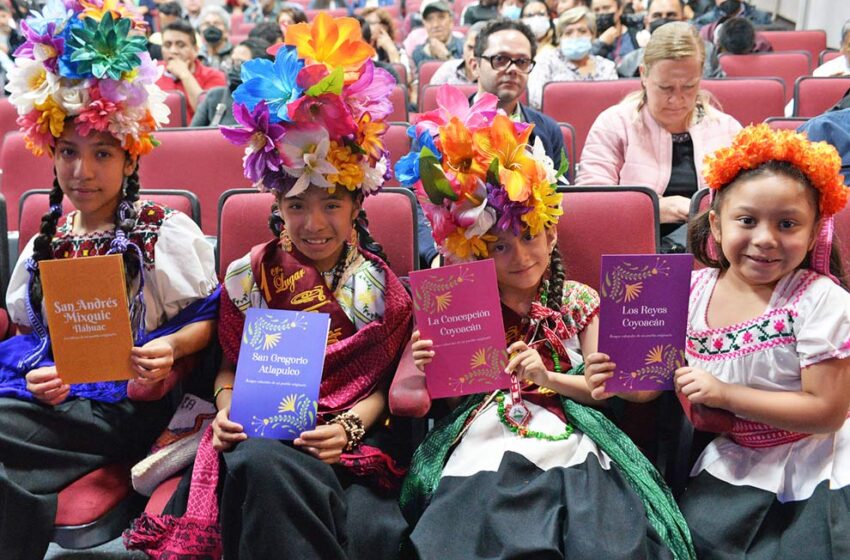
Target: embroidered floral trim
<point x="775" y="328"/>
<point x="581" y="303"/>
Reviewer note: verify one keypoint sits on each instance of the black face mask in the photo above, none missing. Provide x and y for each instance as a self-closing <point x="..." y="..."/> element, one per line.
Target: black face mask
<point x="603" y="22"/>
<point x="213" y="35"/>
<point x="234" y="78"/>
<point x="655" y="24"/>
<point x="730" y="7"/>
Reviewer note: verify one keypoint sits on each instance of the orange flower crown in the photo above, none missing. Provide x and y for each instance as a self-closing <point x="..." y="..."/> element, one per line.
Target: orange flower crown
<point x="757" y="144"/>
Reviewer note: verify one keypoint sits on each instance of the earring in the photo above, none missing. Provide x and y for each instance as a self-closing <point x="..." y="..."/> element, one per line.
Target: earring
<point x="285" y="240"/>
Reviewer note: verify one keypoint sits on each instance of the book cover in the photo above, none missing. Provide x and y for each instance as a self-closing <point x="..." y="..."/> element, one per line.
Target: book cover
<point x="643" y="318"/>
<point x="458" y="308"/>
<point x="88" y="318"/>
<point x="276" y="392"/>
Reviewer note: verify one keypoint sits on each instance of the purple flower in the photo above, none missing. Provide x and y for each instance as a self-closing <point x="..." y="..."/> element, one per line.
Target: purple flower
<point x="44" y="47"/>
<point x="371" y="93"/>
<point x="260" y="135"/>
<point x="508" y="211"/>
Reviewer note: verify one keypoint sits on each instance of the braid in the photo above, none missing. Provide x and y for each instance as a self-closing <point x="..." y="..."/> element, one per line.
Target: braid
<point x="125" y="220"/>
<point x="276" y="220"/>
<point x="43" y="243"/>
<point x="557" y="277"/>
<point x="367" y="242"/>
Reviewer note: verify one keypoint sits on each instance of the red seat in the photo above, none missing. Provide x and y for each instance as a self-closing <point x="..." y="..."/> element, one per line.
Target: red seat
<point x="827" y="55"/>
<point x="812" y="41"/>
<point x="579" y="103"/>
<point x="35" y="203"/>
<point x="569" y="135"/>
<point x="4" y="268"/>
<point x="788" y="65"/>
<point x="748" y="100"/>
<point x="813" y="96"/>
<point x="398" y="144"/>
<point x="244" y="215"/>
<point x="401" y="70"/>
<point x="8" y="117"/>
<point x="199" y="160"/>
<point x="21" y="171"/>
<point x="176" y="101"/>
<point x="159" y="498"/>
<point x="785" y="123"/>
<point x="398" y="97"/>
<point x="428" y="99"/>
<point x="335" y="12"/>
<point x="426" y="72"/>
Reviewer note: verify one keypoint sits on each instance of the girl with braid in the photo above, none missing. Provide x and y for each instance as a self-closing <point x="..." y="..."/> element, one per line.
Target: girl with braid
<point x="332" y="492"/>
<point x="92" y="106"/>
<point x="532" y="472"/>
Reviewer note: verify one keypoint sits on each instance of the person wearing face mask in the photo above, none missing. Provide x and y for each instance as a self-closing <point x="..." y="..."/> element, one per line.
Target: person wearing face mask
<point x="613" y="39"/>
<point x="510" y="9"/>
<point x="215" y="31"/>
<point x="573" y="60"/>
<point x="217" y="106"/>
<point x="535" y="14"/>
<point x="725" y="9"/>
<point x="658" y="13"/>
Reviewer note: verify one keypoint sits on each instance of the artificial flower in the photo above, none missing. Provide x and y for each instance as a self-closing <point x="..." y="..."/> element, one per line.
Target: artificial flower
<point x="304" y="151"/>
<point x="374" y="177"/>
<point x="407" y="167"/>
<point x="97" y="114"/>
<point x="74" y="98"/>
<point x="36" y="137"/>
<point x="261" y="137"/>
<point x="156" y="105"/>
<point x="451" y="102"/>
<point x="52" y="117"/>
<point x="538" y="153"/>
<point x="501" y="142"/>
<point x="463" y="248"/>
<point x="99" y="9"/>
<point x="510" y="212"/>
<point x="471" y="213"/>
<point x="369" y="134"/>
<point x="271" y="82"/>
<point x="45" y="46"/>
<point x="104" y="48"/>
<point x="371" y="93"/>
<point x="334" y="42"/>
<point x="54" y="11"/>
<point x="545" y="208"/>
<point x="29" y="84"/>
<point x="326" y="110"/>
<point x="459" y="155"/>
<point x="133" y="87"/>
<point x="348" y="172"/>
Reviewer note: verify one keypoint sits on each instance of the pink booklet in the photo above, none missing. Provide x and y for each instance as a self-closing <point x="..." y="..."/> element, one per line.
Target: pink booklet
<point x="458" y="308"/>
<point x="643" y="317"/>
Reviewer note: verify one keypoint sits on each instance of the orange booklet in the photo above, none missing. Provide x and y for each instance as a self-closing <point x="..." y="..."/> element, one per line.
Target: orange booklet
<point x="88" y="318"/>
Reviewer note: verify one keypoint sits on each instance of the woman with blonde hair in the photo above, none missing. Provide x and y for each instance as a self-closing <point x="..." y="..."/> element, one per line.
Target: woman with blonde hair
<point x="659" y="136"/>
<point x="573" y="59"/>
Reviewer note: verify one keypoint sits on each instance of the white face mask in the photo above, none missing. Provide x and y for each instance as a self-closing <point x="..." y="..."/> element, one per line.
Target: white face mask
<point x="539" y="25"/>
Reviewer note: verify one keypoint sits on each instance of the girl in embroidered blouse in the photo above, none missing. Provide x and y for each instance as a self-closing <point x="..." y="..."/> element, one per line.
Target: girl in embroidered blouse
<point x="482" y="472"/>
<point x="332" y="492"/>
<point x="95" y="128"/>
<point x="769" y="341"/>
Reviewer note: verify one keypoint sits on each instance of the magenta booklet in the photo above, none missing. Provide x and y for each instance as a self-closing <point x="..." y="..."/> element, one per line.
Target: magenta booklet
<point x="281" y="358"/>
<point x="643" y="316"/>
<point x="458" y="308"/>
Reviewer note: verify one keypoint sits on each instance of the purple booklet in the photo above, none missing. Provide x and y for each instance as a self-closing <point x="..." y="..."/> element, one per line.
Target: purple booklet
<point x="643" y="317"/>
<point x="458" y="308"/>
<point x="281" y="358"/>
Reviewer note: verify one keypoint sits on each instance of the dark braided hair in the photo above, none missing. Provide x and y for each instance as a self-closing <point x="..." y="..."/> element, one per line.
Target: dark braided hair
<point x="557" y="277"/>
<point x="132" y="265"/>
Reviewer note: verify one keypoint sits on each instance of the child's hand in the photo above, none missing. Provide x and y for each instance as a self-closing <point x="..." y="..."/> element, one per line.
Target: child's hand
<point x="226" y="433"/>
<point x="153" y="361"/>
<point x="598" y="368"/>
<point x="325" y="443"/>
<point x="700" y="387"/>
<point x="527" y="364"/>
<point x="46" y="387"/>
<point x="422" y="351"/>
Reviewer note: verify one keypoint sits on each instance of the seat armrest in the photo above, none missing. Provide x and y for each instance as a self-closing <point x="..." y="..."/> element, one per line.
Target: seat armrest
<point x="181" y="370"/>
<point x="408" y="391"/>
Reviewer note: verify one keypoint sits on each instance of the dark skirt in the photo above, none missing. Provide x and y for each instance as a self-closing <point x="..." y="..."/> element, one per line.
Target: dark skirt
<point x="742" y="522"/>
<point x="277" y="501"/>
<point x="521" y="511"/>
<point x="44" y="448"/>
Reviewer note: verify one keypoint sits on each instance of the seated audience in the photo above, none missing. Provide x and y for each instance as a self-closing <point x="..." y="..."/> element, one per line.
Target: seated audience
<point x="738" y="36"/>
<point x="658" y="13"/>
<point x="839" y="66"/>
<point x="459" y="71"/>
<point x="613" y="39"/>
<point x="535" y="14"/>
<point x="573" y="60"/>
<point x="725" y="9"/>
<point x="658" y="136"/>
<point x="267" y="31"/>
<point x="215" y="31"/>
<point x="482" y="10"/>
<point x="383" y="32"/>
<point x="441" y="44"/>
<point x="183" y="71"/>
<point x="165" y="14"/>
<point x="290" y="15"/>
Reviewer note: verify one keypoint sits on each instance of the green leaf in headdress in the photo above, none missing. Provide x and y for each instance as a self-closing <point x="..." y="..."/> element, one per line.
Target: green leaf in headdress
<point x="105" y="49"/>
<point x="493" y="172"/>
<point x="565" y="164"/>
<point x="434" y="181"/>
<point x="332" y="83"/>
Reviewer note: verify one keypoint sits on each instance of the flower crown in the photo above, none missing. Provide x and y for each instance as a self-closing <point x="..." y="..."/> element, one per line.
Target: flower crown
<point x="757" y="144"/>
<point x="472" y="170"/>
<point x="86" y="60"/>
<point x="315" y="116"/>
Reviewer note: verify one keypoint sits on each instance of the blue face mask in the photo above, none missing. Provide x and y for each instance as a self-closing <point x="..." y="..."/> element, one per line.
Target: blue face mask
<point x="576" y="49"/>
<point x="511" y="12"/>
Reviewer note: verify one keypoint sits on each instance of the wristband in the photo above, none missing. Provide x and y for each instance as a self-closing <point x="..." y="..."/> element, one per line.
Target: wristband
<point x="353" y="426"/>
<point x="220" y="389"/>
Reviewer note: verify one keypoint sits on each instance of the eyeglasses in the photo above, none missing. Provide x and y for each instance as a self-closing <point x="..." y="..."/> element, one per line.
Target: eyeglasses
<point x="502" y="62"/>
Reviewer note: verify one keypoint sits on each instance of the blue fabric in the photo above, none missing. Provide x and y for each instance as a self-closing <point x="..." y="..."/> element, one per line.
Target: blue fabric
<point x="833" y="127"/>
<point x="12" y="381"/>
<point x="548" y="131"/>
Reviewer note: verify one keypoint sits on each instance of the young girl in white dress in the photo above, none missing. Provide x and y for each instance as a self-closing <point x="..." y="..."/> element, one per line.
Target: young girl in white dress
<point x="768" y="340"/>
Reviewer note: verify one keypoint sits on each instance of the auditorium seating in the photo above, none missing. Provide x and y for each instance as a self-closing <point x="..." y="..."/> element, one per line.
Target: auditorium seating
<point x="788" y="65"/>
<point x="813" y="96"/>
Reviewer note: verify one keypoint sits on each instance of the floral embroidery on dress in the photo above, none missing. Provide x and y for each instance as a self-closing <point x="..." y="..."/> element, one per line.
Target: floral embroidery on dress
<point x="771" y="329"/>
<point x="581" y="304"/>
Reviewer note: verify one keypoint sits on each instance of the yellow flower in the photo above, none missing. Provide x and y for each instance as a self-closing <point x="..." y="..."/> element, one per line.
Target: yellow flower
<point x="459" y="152"/>
<point x="466" y="248"/>
<point x="349" y="173"/>
<point x="52" y="117"/>
<point x="369" y="134"/>
<point x="334" y="42"/>
<point x="500" y="141"/>
<point x="545" y="207"/>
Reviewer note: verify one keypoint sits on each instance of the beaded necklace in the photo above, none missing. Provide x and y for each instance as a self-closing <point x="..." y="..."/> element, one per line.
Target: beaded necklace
<point x="517" y="415"/>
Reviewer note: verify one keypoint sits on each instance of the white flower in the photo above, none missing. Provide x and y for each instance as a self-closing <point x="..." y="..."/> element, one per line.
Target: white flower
<point x="485" y="220"/>
<point x="73" y="99"/>
<point x="127" y="122"/>
<point x="538" y="152"/>
<point x="305" y="155"/>
<point x="373" y="177"/>
<point x="160" y="112"/>
<point x="30" y="84"/>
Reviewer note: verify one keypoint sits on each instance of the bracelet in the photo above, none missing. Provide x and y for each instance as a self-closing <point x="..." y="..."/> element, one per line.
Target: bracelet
<point x="353" y="426"/>
<point x="220" y="389"/>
